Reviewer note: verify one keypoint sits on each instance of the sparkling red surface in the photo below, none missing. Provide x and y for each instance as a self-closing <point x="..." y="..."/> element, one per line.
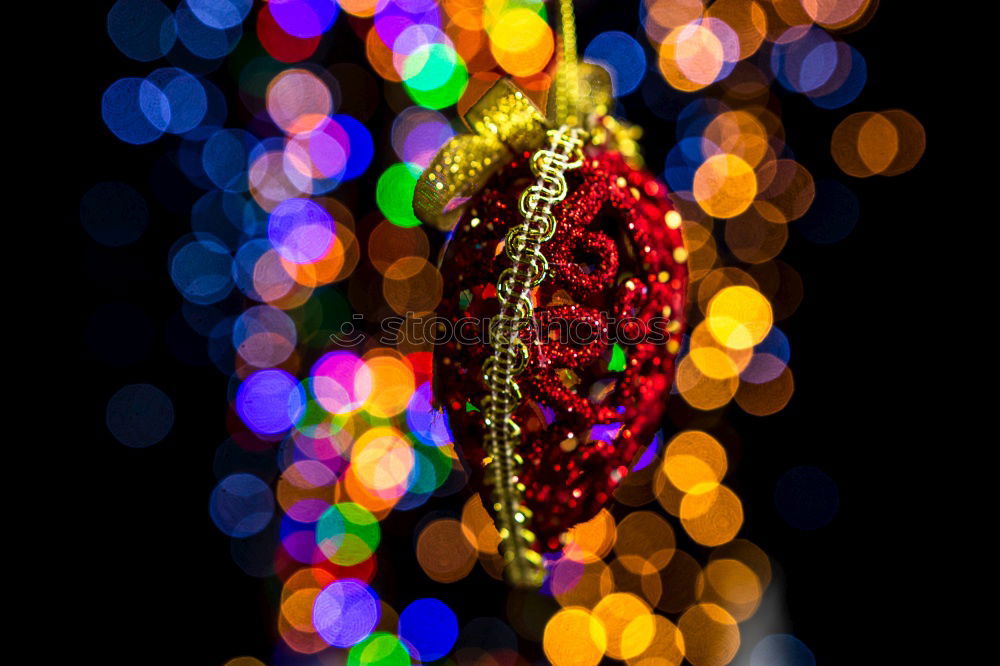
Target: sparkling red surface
<point x="606" y="264"/>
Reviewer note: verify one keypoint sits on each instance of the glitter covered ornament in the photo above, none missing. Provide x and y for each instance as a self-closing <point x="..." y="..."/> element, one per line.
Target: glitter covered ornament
<point x="602" y="349"/>
<point x="564" y="291"/>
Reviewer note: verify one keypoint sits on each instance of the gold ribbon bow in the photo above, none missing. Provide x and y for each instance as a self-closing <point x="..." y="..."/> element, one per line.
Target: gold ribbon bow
<point x="505" y="122"/>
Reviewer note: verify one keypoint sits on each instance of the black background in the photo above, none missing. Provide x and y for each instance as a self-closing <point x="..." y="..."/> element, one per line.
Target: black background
<point x="152" y="580"/>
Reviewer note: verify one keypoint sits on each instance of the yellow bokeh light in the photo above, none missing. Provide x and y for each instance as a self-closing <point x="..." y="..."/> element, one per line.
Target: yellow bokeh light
<point x="738" y="133"/>
<point x="713" y="359"/>
<point x="701" y="391"/>
<point x="700" y="244"/>
<point x="673" y="13"/>
<point x="667" y="494"/>
<point x="680" y="580"/>
<point x="714" y="362"/>
<point x="836" y="14"/>
<point x="574" y="637"/>
<point x="628" y="623"/>
<point x="637" y="575"/>
<point x="753" y="238"/>
<point x="690" y="474"/>
<point x="444" y="551"/>
<point x="725" y="185"/>
<point x="712" y="518"/>
<point x="749" y="554"/>
<point x="786" y="14"/>
<point x="713" y="283"/>
<point x="382" y="460"/>
<point x="412" y="285"/>
<point x="732" y="585"/>
<point x="887" y="143"/>
<point x="646" y="536"/>
<point x="878" y="143"/>
<point x="392" y="383"/>
<point x="747" y="19"/>
<point x="767" y="398"/>
<point x="573" y="587"/>
<point x="521" y="41"/>
<point x="695" y="462"/>
<point x="353" y="488"/>
<point x="739" y="317"/>
<point x="666" y="648"/>
<point x="789" y="192"/>
<point x="691" y="57"/>
<point x="711" y="637"/>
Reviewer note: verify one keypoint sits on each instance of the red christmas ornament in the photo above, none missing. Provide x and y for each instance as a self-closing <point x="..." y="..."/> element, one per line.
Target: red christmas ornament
<point x="602" y="344"/>
<point x="564" y="284"/>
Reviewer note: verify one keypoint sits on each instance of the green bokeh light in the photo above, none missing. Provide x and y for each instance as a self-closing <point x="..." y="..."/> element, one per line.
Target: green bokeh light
<point x="435" y="76"/>
<point x="379" y="649"/>
<point x="430" y="66"/>
<point x="348" y="534"/>
<point x="394" y="193"/>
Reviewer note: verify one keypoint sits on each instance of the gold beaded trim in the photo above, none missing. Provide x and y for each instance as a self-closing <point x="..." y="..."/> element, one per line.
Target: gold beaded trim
<point x="510" y="354"/>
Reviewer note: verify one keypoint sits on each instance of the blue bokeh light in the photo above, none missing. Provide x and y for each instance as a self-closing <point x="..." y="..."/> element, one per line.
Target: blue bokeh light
<point x="428" y="628"/>
<point x="305" y="18"/>
<point x="220" y="14"/>
<point x="173" y="100"/>
<point x="139" y="415"/>
<point x="850" y="87"/>
<point x="300" y="230"/>
<point x="622" y="56"/>
<point x="226" y="157"/>
<point x="244" y="264"/>
<point x="681" y="164"/>
<point x="270" y="401"/>
<point x="203" y="40"/>
<point x="806" y="62"/>
<point x="202" y="271"/>
<point x="125" y="116"/>
<point x="143" y="30"/>
<point x="361" y="147"/>
<point x="241" y="505"/>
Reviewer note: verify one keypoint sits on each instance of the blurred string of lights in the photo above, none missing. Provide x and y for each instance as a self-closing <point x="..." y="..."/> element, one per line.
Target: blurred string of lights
<point x="350" y="433"/>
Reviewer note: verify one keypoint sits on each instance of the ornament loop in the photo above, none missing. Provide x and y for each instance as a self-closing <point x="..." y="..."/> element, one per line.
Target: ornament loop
<point x="505" y="122"/>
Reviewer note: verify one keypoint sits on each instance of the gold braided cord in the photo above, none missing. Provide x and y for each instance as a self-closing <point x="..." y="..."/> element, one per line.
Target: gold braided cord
<point x="505" y="123"/>
<point x="510" y="354"/>
<point x="567" y="87"/>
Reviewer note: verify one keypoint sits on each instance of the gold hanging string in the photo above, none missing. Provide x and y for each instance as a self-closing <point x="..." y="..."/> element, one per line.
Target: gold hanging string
<point x="567" y="84"/>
